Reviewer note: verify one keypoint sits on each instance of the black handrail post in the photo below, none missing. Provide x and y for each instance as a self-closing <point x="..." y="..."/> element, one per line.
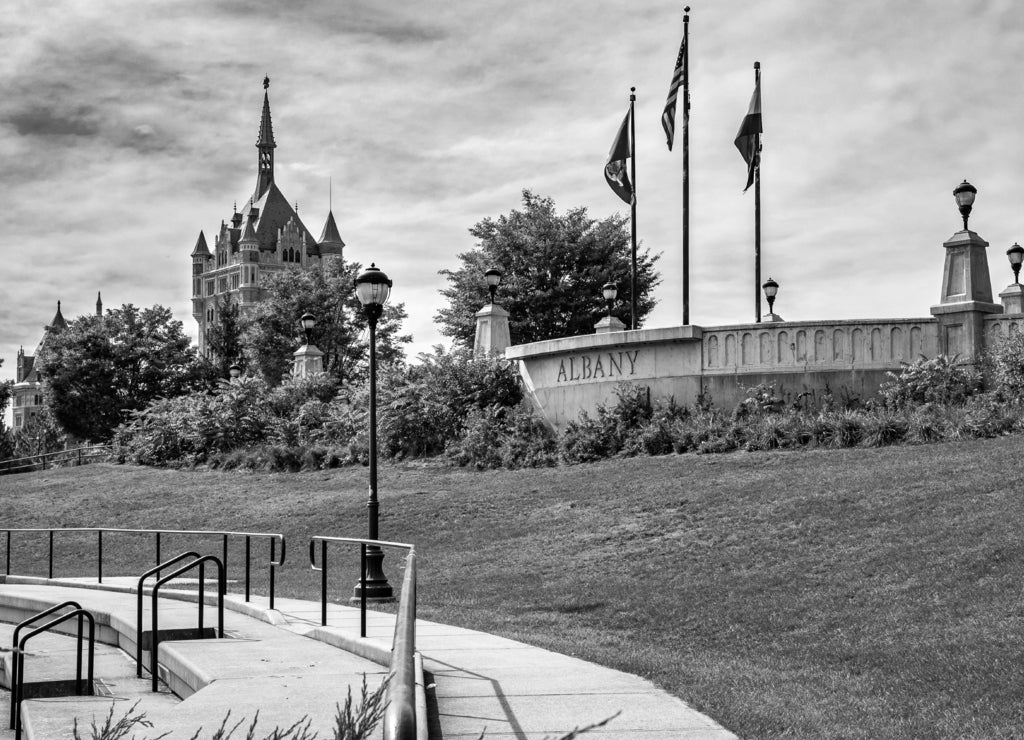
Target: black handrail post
<point x="247" y="568"/>
<point x="202" y="593"/>
<point x="78" y="654"/>
<point x="99" y="559"/>
<point x="8" y="571"/>
<point x="50" y="565"/>
<point x="138" y="603"/>
<point x="158" y="561"/>
<point x="224" y="586"/>
<point x="363" y="590"/>
<point x="273" y="553"/>
<point x="323" y="583"/>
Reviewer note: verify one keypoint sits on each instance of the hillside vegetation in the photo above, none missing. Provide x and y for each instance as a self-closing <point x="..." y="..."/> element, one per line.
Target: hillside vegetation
<point x="856" y="593"/>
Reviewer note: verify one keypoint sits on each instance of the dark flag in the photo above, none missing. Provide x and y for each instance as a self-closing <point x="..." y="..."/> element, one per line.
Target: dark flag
<point x="668" y="116"/>
<point x="748" y="140"/>
<point x="615" y="169"/>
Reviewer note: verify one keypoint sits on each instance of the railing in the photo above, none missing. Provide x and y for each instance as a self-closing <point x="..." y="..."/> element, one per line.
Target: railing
<point x="75" y="456"/>
<point x="400" y="714"/>
<point x="273" y="563"/>
<point x="16" y="654"/>
<point x="18" y="682"/>
<point x="154" y="640"/>
<point x="138" y="603"/>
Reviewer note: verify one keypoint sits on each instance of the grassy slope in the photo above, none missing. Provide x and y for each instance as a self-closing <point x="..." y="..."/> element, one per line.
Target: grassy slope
<point x="820" y="594"/>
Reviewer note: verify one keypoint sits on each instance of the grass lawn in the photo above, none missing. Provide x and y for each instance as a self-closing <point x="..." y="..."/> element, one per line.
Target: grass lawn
<point x="871" y="593"/>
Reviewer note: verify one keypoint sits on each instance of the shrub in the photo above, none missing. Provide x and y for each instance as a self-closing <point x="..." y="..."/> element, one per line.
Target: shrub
<point x="883" y="427"/>
<point x="940" y="380"/>
<point x="502" y="437"/>
<point x="1006" y="367"/>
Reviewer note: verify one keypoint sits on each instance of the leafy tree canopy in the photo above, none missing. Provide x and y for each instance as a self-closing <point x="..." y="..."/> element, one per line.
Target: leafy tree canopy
<point x="553" y="268"/>
<point x="99" y="369"/>
<point x="271" y="331"/>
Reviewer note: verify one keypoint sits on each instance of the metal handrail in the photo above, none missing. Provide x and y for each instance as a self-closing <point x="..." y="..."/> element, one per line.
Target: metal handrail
<point x="273" y="563"/>
<point x="79" y="455"/>
<point x="155" y="637"/>
<point x="138" y="603"/>
<point x="400" y="713"/>
<point x="16" y="654"/>
<point x="19" y="678"/>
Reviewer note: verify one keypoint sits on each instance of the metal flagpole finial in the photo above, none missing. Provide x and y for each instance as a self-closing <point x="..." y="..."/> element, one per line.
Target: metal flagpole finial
<point x="757" y="65"/>
<point x="632" y="94"/>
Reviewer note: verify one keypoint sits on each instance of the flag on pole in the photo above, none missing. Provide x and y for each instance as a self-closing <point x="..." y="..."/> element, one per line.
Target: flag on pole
<point x="615" y="168"/>
<point x="748" y="140"/>
<point x="668" y="116"/>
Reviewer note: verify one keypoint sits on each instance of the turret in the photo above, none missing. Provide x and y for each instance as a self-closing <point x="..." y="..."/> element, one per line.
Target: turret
<point x="330" y="242"/>
<point x="99" y="298"/>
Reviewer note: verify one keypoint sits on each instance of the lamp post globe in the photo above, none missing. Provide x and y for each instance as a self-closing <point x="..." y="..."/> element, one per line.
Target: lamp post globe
<point x="373" y="288"/>
<point x="1016" y="255"/>
<point x="771" y="289"/>
<point x="609" y="290"/>
<point x="235" y="371"/>
<point x="493" y="278"/>
<point x="307" y="322"/>
<point x="964" y="194"/>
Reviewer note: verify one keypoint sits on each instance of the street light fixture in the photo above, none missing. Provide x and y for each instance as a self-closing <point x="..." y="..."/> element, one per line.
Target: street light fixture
<point x="1016" y="256"/>
<point x="964" y="195"/>
<point x="235" y="371"/>
<point x="493" y="277"/>
<point x="372" y="289"/>
<point x="610" y="290"/>
<point x="307" y="322"/>
<point x="771" y="289"/>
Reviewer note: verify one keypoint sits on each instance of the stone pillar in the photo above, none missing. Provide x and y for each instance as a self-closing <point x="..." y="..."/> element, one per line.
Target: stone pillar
<point x="966" y="297"/>
<point x="492" y="336"/>
<point x="771" y="318"/>
<point x="308" y="360"/>
<point x="607" y="324"/>
<point x="1013" y="298"/>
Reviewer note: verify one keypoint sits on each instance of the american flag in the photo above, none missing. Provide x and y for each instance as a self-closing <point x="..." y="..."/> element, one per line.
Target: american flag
<point x="668" y="117"/>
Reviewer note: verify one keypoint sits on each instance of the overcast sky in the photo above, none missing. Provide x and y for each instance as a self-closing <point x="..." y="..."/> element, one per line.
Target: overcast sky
<point x="127" y="126"/>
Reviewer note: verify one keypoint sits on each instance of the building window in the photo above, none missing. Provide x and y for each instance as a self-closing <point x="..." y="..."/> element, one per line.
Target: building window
<point x="209" y="287"/>
<point x="234" y="281"/>
<point x="222" y="285"/>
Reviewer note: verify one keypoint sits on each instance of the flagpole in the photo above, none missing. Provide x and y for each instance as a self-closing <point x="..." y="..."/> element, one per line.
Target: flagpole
<point x="632" y="207"/>
<point x="686" y="166"/>
<point x="757" y="210"/>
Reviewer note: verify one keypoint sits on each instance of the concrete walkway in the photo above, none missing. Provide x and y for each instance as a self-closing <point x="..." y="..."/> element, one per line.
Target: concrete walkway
<point x="476" y="681"/>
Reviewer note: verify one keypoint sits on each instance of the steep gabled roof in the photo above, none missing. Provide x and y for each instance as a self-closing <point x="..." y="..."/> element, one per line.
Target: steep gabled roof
<point x="58" y="320"/>
<point x="274" y="211"/>
<point x="201" y="250"/>
<point x="330" y="240"/>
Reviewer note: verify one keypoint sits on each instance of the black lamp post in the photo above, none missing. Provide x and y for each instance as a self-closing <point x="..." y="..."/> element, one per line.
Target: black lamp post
<point x="964" y="195"/>
<point x="1016" y="256"/>
<point x="372" y="289"/>
<point x="610" y="290"/>
<point x="235" y="371"/>
<point x="493" y="277"/>
<point x="771" y="289"/>
<point x="307" y="322"/>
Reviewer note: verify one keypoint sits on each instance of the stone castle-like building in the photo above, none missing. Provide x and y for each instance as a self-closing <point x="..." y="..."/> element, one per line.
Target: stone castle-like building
<point x="263" y="237"/>
<point x="28" y="383"/>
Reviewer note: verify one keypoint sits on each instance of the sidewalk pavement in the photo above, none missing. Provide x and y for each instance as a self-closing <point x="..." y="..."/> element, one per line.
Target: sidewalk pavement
<point x="482" y="682"/>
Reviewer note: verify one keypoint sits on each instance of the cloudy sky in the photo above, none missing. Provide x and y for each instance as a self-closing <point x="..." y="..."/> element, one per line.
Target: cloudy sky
<point x="127" y="126"/>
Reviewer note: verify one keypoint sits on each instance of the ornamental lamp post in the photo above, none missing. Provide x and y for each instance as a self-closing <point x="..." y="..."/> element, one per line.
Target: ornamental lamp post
<point x="372" y="289"/>
<point x="1016" y="256"/>
<point x="964" y="195"/>
<point x="771" y="289"/>
<point x="493" y="278"/>
<point x="235" y="371"/>
<point x="307" y="322"/>
<point x="610" y="291"/>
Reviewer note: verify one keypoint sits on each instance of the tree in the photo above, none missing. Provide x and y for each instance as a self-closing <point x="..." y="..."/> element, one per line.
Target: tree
<point x="6" y="440"/>
<point x="271" y="332"/>
<point x="224" y="337"/>
<point x="101" y="368"/>
<point x="553" y="267"/>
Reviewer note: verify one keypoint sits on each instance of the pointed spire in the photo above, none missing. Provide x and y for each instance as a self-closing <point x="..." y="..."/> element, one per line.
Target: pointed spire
<point x="249" y="238"/>
<point x="330" y="240"/>
<point x="58" y="319"/>
<point x="266" y="145"/>
<point x="201" y="249"/>
<point x="99" y="303"/>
